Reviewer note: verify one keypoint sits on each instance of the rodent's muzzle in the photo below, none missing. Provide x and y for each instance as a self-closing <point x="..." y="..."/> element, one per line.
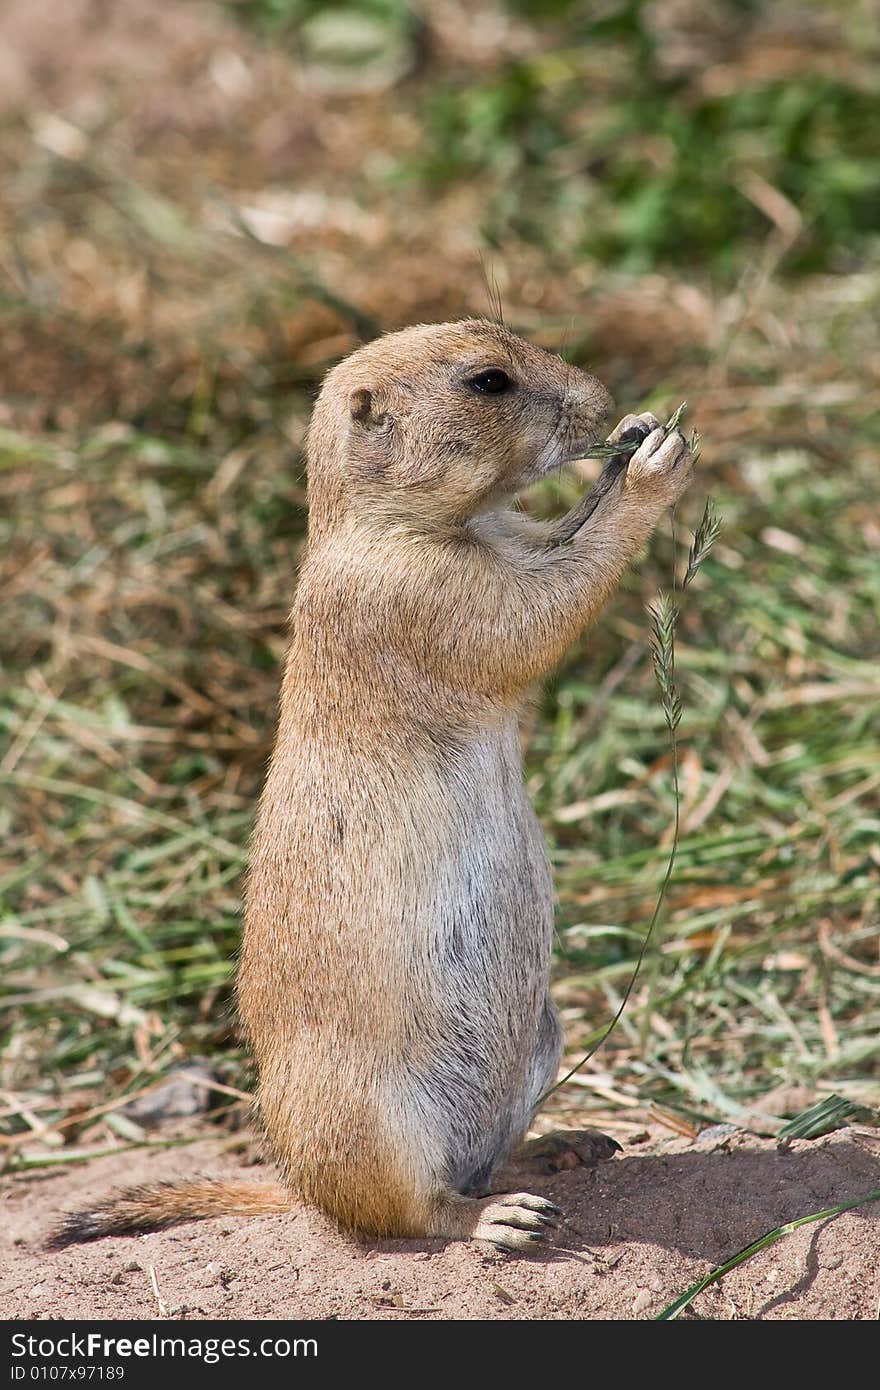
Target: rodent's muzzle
<point x="583" y="410"/>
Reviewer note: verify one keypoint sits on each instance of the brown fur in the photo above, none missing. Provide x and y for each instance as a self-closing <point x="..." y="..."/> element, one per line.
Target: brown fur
<point x="395" y="963"/>
<point x="156" y="1205"/>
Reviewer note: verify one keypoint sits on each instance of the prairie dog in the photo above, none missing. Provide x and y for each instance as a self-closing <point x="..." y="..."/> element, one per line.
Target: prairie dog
<point x="395" y="964"/>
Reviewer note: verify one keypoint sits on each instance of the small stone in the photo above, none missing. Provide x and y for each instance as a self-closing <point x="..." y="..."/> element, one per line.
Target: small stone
<point x="642" y="1301"/>
<point x="187" y="1090"/>
<point x="715" y="1135"/>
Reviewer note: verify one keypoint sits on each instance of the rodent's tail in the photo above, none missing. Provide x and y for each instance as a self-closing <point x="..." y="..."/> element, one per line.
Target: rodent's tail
<point x="159" y="1204"/>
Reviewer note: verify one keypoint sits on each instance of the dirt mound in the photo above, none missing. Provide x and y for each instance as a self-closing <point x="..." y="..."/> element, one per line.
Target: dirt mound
<point x="640" y="1230"/>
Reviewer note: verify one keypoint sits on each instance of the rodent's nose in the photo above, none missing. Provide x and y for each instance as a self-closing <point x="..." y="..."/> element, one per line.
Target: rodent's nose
<point x="586" y="395"/>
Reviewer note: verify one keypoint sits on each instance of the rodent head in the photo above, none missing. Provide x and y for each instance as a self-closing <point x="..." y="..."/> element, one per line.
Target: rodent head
<point x="441" y="420"/>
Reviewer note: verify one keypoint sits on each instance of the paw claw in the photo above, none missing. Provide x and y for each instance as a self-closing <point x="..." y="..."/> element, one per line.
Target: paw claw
<point x="633" y="428"/>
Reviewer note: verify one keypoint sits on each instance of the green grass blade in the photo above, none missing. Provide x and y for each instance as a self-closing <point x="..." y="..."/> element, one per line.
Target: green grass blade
<point x="819" y="1119"/>
<point x="678" y="1305"/>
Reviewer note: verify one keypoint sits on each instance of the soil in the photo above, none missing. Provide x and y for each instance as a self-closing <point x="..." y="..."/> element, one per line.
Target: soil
<point x="640" y="1230"/>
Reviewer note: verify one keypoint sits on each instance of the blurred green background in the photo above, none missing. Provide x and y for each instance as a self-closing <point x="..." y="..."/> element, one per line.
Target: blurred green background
<point x="204" y="207"/>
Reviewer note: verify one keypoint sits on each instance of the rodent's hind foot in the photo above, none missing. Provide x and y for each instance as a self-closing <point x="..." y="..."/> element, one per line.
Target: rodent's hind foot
<point x="509" y="1221"/>
<point x="563" y="1150"/>
<point x="516" y="1221"/>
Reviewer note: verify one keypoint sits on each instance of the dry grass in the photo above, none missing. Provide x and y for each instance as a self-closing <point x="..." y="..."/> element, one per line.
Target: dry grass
<point x="187" y="243"/>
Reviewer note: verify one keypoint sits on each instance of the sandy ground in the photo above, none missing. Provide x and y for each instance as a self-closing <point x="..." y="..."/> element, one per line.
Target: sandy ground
<point x="642" y="1228"/>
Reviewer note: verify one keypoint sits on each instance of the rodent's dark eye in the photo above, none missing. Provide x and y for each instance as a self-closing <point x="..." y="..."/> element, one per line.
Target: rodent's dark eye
<point x="490" y="383"/>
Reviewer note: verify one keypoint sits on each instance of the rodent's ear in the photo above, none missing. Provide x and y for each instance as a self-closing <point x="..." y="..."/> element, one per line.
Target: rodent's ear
<point x="362" y="405"/>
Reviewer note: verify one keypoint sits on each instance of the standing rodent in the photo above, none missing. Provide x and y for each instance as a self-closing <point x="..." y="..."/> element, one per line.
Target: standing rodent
<point x="395" y="964"/>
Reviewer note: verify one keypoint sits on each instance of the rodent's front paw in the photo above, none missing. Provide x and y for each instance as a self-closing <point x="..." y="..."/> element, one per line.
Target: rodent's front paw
<point x="661" y="466"/>
<point x="633" y="429"/>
